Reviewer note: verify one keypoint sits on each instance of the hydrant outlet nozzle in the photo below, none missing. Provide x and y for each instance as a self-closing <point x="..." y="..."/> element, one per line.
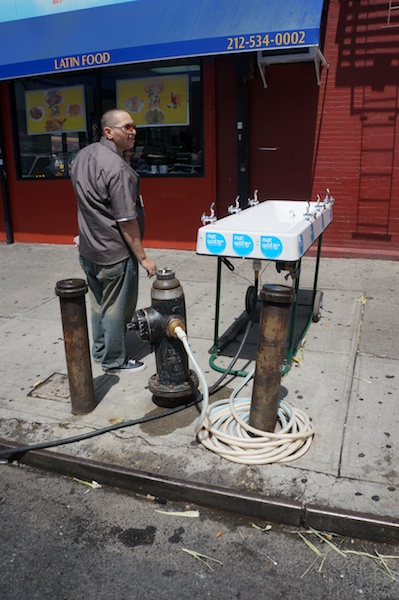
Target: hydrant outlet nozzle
<point x="172" y="325"/>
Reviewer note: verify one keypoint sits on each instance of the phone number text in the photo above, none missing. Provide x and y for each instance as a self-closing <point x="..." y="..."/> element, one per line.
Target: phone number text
<point x="287" y="38"/>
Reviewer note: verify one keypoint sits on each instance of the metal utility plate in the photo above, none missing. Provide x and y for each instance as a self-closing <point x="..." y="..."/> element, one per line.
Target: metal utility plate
<point x="55" y="387"/>
<point x="273" y="230"/>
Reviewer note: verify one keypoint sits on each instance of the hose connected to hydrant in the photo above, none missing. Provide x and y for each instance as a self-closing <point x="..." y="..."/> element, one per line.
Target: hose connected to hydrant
<point x="223" y="427"/>
<point x="173" y="383"/>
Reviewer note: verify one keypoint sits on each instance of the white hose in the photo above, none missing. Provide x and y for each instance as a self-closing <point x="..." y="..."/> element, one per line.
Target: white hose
<point x="223" y="426"/>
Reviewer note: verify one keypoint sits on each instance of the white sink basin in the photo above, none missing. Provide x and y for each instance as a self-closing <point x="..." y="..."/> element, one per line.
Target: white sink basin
<point x="273" y="230"/>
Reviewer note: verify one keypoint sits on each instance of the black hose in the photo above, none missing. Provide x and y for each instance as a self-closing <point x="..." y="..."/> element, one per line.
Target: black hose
<point x="9" y="454"/>
<point x="17" y="453"/>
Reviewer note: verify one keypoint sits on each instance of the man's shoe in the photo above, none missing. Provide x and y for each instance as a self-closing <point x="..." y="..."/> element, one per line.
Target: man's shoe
<point x="130" y="366"/>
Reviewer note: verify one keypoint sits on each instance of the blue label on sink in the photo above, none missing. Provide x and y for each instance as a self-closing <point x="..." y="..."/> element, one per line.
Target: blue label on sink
<point x="242" y="244"/>
<point x="311" y="233"/>
<point x="271" y="246"/>
<point x="215" y="242"/>
<point x="300" y="242"/>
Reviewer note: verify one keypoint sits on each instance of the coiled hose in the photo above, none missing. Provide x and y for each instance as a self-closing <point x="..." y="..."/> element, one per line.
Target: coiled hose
<point x="223" y="427"/>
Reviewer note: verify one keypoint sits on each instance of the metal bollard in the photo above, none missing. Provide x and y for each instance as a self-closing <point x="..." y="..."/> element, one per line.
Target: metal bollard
<point x="76" y="339"/>
<point x="273" y="333"/>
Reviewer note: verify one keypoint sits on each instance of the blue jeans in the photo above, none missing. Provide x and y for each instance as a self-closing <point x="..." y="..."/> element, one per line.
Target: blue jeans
<point x="113" y="293"/>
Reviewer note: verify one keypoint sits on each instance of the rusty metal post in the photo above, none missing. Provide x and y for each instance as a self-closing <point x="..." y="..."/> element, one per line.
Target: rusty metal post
<point x="273" y="333"/>
<point x="76" y="339"/>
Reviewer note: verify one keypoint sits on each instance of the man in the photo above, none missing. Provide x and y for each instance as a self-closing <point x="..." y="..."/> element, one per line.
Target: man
<point x="110" y="247"/>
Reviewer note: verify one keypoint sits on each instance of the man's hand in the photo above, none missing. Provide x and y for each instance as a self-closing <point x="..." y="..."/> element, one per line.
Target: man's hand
<point x="149" y="265"/>
<point x="131" y="233"/>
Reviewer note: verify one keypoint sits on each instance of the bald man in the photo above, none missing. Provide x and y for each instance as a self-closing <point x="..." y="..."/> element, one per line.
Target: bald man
<point x="111" y="221"/>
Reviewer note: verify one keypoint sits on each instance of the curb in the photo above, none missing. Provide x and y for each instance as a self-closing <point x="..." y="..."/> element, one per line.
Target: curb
<point x="278" y="510"/>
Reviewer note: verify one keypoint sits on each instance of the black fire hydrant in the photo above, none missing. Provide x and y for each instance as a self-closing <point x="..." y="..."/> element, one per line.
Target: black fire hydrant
<point x="174" y="383"/>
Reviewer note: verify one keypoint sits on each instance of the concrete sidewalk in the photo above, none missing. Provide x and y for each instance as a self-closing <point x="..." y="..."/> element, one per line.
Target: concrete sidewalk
<point x="347" y="381"/>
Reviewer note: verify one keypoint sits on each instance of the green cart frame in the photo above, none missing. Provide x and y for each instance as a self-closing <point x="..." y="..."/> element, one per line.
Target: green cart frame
<point x="314" y="313"/>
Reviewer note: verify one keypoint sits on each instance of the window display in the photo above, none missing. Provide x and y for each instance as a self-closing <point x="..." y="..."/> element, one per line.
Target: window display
<point x="59" y="115"/>
<point x="58" y="109"/>
<point x="52" y="115"/>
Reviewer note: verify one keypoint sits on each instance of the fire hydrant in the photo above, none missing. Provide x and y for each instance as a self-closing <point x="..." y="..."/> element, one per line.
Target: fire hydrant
<point x="174" y="383"/>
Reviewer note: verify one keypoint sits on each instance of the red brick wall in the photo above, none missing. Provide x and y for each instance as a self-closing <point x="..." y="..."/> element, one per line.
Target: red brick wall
<point x="357" y="141"/>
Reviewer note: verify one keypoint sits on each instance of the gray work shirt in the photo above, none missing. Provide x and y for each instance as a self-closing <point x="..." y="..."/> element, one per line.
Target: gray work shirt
<point x="107" y="191"/>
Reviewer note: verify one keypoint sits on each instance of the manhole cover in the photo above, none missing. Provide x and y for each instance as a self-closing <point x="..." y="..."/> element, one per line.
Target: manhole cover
<point x="55" y="387"/>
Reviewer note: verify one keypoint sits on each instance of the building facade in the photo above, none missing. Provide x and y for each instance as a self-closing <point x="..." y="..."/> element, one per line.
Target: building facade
<point x="308" y="103"/>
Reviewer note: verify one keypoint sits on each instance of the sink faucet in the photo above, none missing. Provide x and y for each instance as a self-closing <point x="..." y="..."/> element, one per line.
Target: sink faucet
<point x="212" y="218"/>
<point x="254" y="201"/>
<point x="308" y="215"/>
<point x="328" y="199"/>
<point x="235" y="209"/>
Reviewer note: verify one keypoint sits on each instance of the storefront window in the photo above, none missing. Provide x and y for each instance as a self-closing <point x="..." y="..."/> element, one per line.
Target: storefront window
<point x="58" y="115"/>
<point x="52" y="122"/>
<point x="166" y="104"/>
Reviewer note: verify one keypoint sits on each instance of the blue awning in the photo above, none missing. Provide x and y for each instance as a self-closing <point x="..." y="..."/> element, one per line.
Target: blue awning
<point x="138" y="31"/>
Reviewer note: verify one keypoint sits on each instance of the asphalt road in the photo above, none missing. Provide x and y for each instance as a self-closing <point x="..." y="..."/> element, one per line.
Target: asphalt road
<point x="63" y="540"/>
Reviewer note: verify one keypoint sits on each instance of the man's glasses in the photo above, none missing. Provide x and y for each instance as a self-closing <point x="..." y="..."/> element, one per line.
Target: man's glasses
<point x="127" y="128"/>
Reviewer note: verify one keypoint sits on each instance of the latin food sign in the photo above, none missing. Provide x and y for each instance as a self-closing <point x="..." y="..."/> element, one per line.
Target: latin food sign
<point x="51" y="36"/>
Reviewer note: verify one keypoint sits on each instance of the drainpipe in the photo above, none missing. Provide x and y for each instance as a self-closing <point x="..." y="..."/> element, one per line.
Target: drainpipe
<point x="243" y="77"/>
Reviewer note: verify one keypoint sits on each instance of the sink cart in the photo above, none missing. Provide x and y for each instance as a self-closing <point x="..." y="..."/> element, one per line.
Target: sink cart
<point x="275" y="230"/>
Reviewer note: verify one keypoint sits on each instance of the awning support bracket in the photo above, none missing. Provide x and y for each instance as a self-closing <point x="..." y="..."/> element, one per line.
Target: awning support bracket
<point x="312" y="53"/>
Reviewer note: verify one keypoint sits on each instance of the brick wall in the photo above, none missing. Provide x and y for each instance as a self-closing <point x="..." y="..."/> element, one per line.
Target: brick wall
<point x="357" y="141"/>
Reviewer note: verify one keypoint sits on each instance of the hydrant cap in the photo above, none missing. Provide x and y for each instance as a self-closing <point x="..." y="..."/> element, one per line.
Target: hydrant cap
<point x="165" y="279"/>
<point x="165" y="273"/>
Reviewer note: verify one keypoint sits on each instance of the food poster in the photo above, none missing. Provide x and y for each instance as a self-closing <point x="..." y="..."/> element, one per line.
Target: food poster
<point x="155" y="101"/>
<point x="55" y="109"/>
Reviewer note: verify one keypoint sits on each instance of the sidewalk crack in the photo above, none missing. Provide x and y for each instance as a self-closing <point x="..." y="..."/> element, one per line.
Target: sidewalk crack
<point x="352" y="383"/>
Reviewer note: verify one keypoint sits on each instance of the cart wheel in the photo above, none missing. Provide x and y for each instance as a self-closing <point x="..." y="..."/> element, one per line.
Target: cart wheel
<point x="317" y="306"/>
<point x="250" y="299"/>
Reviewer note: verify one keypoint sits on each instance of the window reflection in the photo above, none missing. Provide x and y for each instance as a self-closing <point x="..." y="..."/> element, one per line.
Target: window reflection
<point x="41" y="152"/>
<point x="164" y="150"/>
